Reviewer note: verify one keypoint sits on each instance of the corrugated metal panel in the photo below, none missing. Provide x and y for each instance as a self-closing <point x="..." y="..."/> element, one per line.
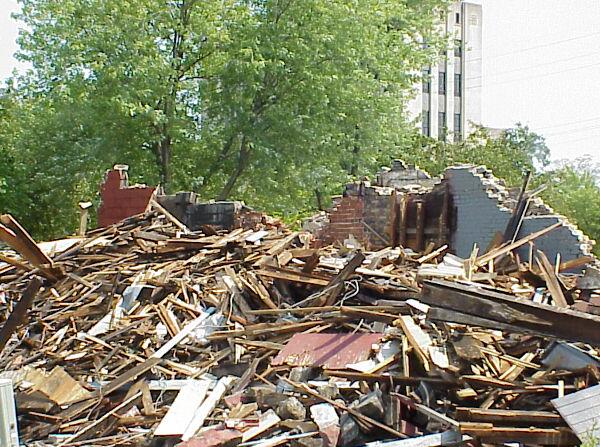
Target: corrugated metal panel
<point x="330" y="351"/>
<point x="581" y="410"/>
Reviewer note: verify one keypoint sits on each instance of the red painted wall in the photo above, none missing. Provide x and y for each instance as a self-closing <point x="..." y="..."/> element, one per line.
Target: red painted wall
<point x="119" y="203"/>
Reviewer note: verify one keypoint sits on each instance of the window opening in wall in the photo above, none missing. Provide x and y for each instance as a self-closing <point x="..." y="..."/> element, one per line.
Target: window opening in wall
<point x="426" y="123"/>
<point x="442" y="83"/>
<point x="457" y="127"/>
<point x="457" y="84"/>
<point x="426" y="80"/>
<point x="442" y="125"/>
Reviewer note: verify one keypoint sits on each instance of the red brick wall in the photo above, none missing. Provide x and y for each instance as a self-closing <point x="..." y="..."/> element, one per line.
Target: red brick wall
<point x="118" y="203"/>
<point x="345" y="218"/>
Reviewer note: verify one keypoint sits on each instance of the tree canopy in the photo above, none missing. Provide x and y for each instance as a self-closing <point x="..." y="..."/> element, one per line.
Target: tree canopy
<point x="262" y="100"/>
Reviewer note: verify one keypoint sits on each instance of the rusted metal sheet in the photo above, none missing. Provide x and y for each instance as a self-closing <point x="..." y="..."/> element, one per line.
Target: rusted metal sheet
<point x="330" y="351"/>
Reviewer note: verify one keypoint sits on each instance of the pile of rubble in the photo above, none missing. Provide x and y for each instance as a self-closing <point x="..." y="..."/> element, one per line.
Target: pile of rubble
<point x="146" y="333"/>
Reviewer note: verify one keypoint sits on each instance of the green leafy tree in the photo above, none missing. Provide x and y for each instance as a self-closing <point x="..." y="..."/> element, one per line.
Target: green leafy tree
<point x="263" y="100"/>
<point x="510" y="155"/>
<point x="572" y="190"/>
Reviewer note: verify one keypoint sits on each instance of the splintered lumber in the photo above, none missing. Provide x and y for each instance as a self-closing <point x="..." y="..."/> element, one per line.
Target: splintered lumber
<point x="540" y="318"/>
<point x="551" y="280"/>
<point x="181" y="412"/>
<point x="15" y="235"/>
<point x="214" y="335"/>
<point x="19" y="313"/>
<point x="98" y="421"/>
<point x="181" y="335"/>
<point x="510" y="417"/>
<point x="207" y="407"/>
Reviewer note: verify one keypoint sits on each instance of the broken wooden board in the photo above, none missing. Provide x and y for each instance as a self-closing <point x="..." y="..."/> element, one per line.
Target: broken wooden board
<point x="508" y="309"/>
<point x="181" y="412"/>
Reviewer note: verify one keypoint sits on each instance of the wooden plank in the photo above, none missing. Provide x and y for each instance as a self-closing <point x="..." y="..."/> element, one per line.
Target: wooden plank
<point x="493" y="254"/>
<point x="551" y="280"/>
<point x="542" y="436"/>
<point x="419" y="340"/>
<point x="402" y="219"/>
<point x="19" y="314"/>
<point x="207" y="407"/>
<point x="13" y="234"/>
<point x="521" y="313"/>
<point x="267" y="420"/>
<point x="508" y="417"/>
<point x="420" y="225"/>
<point x="181" y="412"/>
<point x="288" y="275"/>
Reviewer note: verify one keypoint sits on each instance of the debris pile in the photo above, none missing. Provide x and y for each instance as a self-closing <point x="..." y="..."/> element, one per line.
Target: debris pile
<point x="145" y="333"/>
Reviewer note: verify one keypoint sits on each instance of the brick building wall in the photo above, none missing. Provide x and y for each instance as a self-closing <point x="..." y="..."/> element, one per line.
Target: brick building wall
<point x="479" y="206"/>
<point x="479" y="201"/>
<point x="345" y="218"/>
<point x="119" y="200"/>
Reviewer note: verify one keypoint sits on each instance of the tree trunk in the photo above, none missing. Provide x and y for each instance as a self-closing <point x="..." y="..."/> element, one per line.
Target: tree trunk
<point x="242" y="163"/>
<point x="216" y="164"/>
<point x="165" y="162"/>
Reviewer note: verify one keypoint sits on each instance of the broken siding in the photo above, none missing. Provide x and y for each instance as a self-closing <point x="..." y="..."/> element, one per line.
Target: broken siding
<point x="581" y="410"/>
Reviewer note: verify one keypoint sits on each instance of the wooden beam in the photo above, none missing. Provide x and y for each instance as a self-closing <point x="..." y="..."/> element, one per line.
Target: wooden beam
<point x="420" y="226"/>
<point x="551" y="280"/>
<point x="507" y="309"/>
<point x="493" y="254"/>
<point x="19" y="314"/>
<point x="509" y="417"/>
<point x="19" y="240"/>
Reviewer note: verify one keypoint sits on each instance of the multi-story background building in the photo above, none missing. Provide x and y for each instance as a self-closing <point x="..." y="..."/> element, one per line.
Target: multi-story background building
<point x="448" y="101"/>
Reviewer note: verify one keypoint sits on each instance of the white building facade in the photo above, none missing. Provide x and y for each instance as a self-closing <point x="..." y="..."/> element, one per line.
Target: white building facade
<point x="448" y="101"/>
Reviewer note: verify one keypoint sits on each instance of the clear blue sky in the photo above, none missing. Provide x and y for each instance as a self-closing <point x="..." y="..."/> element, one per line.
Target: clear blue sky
<point x="541" y="67"/>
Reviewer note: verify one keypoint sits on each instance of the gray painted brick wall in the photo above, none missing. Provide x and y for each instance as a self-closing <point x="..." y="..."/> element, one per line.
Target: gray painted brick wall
<point x="479" y="217"/>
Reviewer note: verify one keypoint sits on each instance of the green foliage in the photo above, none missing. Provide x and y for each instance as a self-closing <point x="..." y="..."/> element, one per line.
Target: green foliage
<point x="574" y="192"/>
<point x="510" y="155"/>
<point x="263" y="100"/>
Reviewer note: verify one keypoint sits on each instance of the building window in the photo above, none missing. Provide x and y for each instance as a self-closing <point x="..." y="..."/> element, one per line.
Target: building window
<point x="458" y="48"/>
<point x="457" y="18"/>
<point x="457" y="127"/>
<point x="427" y="80"/>
<point x="442" y="83"/>
<point x="426" y="123"/>
<point x="457" y="84"/>
<point x="442" y="125"/>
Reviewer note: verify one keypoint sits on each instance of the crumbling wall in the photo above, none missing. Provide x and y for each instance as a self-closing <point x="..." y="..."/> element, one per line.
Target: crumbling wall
<point x="344" y="218"/>
<point x="376" y="217"/>
<point x="401" y="175"/>
<point x="118" y="199"/>
<point x="481" y="201"/>
<point x="567" y="240"/>
<point x="477" y="212"/>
